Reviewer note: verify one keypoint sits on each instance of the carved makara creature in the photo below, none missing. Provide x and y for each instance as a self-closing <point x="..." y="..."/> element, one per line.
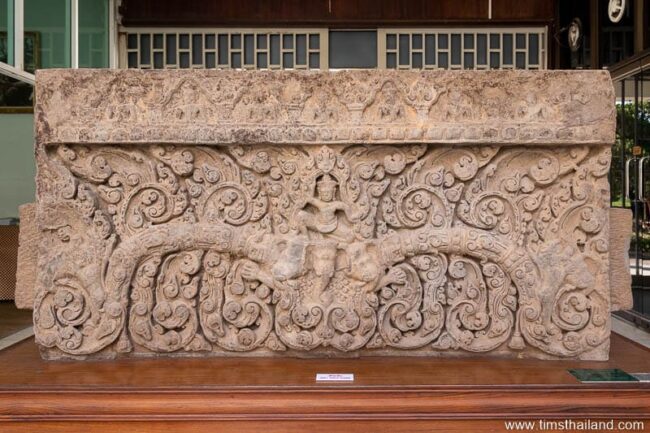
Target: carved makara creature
<point x="322" y="250"/>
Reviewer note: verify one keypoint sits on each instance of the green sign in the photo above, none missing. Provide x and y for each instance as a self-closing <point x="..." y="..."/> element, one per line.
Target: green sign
<point x="602" y="375"/>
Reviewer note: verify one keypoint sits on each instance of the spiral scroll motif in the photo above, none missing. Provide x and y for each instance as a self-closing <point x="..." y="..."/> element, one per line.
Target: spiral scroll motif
<point x="326" y="250"/>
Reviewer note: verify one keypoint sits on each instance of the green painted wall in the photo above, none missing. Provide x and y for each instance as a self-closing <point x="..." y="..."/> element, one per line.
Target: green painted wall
<point x="17" y="167"/>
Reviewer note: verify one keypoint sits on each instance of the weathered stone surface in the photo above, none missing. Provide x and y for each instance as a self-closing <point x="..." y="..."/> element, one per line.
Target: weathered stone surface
<point x="27" y="270"/>
<point x="239" y="107"/>
<point x="620" y="280"/>
<point x="323" y="214"/>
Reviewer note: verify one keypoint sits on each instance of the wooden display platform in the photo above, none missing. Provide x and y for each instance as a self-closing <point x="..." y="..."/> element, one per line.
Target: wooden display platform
<point x="281" y="395"/>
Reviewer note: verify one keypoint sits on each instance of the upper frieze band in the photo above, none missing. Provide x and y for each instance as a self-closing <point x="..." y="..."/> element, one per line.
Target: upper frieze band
<point x="218" y="107"/>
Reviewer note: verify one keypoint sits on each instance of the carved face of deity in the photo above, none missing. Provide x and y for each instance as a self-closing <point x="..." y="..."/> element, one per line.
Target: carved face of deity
<point x="324" y="259"/>
<point x="363" y="265"/>
<point x="189" y="95"/>
<point x="326" y="187"/>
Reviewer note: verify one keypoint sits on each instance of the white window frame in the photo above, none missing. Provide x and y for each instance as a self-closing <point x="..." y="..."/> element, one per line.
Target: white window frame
<point x="17" y="71"/>
<point x="542" y="48"/>
<point x="542" y="56"/>
<point x="321" y="31"/>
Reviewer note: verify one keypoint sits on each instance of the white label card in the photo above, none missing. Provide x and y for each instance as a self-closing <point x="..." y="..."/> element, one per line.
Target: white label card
<point x="334" y="377"/>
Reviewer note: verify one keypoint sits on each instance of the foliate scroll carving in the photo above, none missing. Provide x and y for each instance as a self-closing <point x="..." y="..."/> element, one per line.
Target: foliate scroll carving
<point x="331" y="249"/>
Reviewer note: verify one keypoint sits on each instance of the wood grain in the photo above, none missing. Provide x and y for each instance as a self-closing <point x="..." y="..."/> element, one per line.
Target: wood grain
<point x="230" y="394"/>
<point x="332" y="13"/>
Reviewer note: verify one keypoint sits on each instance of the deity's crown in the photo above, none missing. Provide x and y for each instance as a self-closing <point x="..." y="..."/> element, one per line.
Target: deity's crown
<point x="327" y="182"/>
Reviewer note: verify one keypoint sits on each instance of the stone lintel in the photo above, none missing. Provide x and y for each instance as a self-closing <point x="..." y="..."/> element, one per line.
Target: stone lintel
<point x="356" y="213"/>
<point x="216" y="107"/>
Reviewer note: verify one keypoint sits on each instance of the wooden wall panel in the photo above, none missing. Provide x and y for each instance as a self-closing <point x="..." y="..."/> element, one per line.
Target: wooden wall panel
<point x="528" y="10"/>
<point x="335" y="13"/>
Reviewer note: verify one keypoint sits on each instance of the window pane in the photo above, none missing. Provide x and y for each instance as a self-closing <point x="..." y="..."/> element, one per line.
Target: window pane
<point x="391" y="60"/>
<point x="287" y="42"/>
<point x="261" y="60"/>
<point x="275" y="49"/>
<point x="404" y="53"/>
<point x="391" y="43"/>
<point x="417" y="42"/>
<point x="430" y="50"/>
<point x="301" y="49"/>
<point x="133" y="60"/>
<point x="468" y="60"/>
<point x="249" y="49"/>
<point x="261" y="42"/>
<point x="417" y="60"/>
<point x="235" y="61"/>
<point x="158" y="60"/>
<point x="184" y="60"/>
<point x="353" y="49"/>
<point x="210" y="60"/>
<point x="171" y="49"/>
<point x="15" y="93"/>
<point x="455" y="49"/>
<point x="495" y="41"/>
<point x="314" y="60"/>
<point x="314" y="42"/>
<point x="468" y="41"/>
<point x="197" y="49"/>
<point x="287" y="60"/>
<point x="443" y="60"/>
<point x="533" y="48"/>
<point x="132" y="41"/>
<point x="223" y="49"/>
<point x="145" y="49"/>
<point x="442" y="42"/>
<point x="235" y="41"/>
<point x="184" y="41"/>
<point x="507" y="49"/>
<point x="7" y="31"/>
<point x="210" y="42"/>
<point x="93" y="34"/>
<point x="521" y="60"/>
<point x="481" y="51"/>
<point x="47" y="34"/>
<point x="494" y="60"/>
<point x="521" y="40"/>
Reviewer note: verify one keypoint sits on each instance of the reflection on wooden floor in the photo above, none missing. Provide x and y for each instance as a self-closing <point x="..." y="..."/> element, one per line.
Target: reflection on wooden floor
<point x="12" y="319"/>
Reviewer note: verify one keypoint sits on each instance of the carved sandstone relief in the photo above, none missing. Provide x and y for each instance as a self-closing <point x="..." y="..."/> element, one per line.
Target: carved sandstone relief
<point x="306" y="249"/>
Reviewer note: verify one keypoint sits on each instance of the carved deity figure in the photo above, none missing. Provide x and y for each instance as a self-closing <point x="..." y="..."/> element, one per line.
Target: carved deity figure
<point x="126" y="108"/>
<point x="390" y="108"/>
<point x="326" y="220"/>
<point x="189" y="108"/>
<point x="364" y="266"/>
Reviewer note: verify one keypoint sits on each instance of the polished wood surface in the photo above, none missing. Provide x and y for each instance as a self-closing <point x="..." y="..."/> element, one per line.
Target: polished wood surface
<point x="30" y="371"/>
<point x="347" y="426"/>
<point x="279" y="394"/>
<point x="12" y="319"/>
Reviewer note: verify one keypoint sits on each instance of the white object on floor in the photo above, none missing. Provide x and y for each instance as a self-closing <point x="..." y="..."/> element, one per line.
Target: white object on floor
<point x="335" y="377"/>
<point x="16" y="337"/>
<point x="631" y="332"/>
